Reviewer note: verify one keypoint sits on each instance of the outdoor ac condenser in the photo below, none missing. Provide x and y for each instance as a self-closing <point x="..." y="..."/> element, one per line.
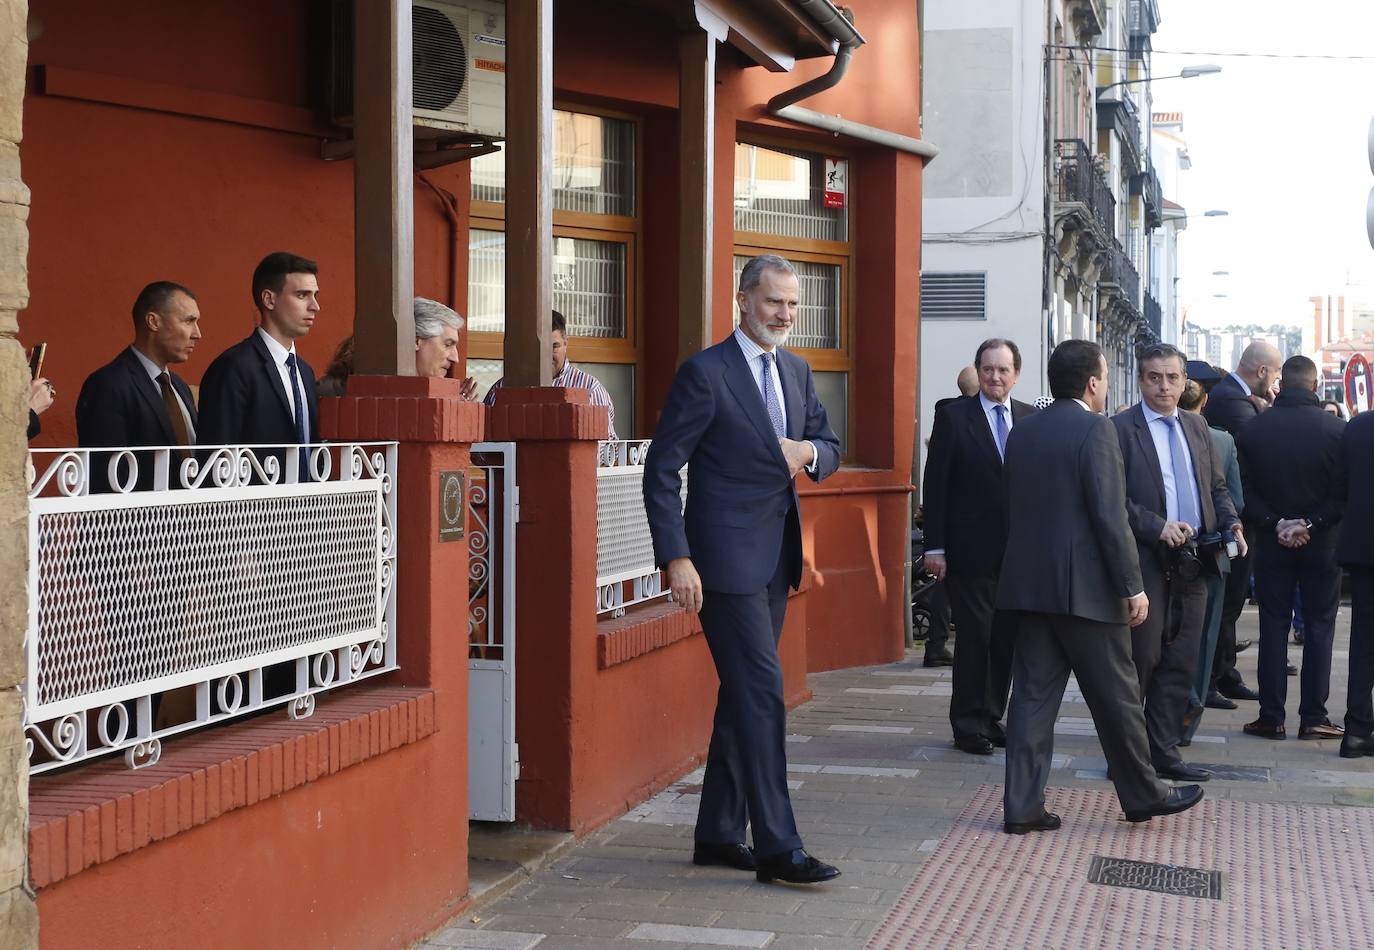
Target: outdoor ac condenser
<point x="459" y="57"/>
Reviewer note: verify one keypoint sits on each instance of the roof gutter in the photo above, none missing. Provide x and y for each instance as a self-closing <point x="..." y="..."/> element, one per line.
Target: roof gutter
<point x="841" y="28"/>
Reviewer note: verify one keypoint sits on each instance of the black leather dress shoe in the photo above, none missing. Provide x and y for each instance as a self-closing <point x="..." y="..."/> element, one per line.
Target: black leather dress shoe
<point x="1048" y="821"/>
<point x="973" y="745"/>
<point x="1179" y="798"/>
<point x="1241" y="692"/>
<point x="940" y="658"/>
<point x="1243" y="645"/>
<point x="1321" y="730"/>
<point x="1183" y="772"/>
<point x="1265" y="730"/>
<point x="1217" y="701"/>
<point x="738" y="856"/>
<point x="1352" y="747"/>
<point x="1292" y="670"/>
<point x="998" y="739"/>
<point x="795" y="867"/>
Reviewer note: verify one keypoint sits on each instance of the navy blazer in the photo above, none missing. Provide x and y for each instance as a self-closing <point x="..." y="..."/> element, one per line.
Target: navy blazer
<point x="964" y="498"/>
<point x="742" y="506"/>
<point x="120" y="405"/>
<point x="1228" y="407"/>
<point x="1357" y="463"/>
<point x="243" y="402"/>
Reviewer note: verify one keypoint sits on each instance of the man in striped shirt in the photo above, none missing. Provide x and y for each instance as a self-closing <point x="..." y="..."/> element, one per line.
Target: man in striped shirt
<point x="566" y="375"/>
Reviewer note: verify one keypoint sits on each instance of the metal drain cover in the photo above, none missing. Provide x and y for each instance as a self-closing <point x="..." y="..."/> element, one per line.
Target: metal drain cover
<point x="1159" y="878"/>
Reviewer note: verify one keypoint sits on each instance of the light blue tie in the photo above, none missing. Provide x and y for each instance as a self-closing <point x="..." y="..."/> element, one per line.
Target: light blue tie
<point x="1184" y="488"/>
<point x="770" y="397"/>
<point x="1002" y="430"/>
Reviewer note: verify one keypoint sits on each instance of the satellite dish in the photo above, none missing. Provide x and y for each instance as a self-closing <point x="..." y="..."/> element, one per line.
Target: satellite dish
<point x="439" y="59"/>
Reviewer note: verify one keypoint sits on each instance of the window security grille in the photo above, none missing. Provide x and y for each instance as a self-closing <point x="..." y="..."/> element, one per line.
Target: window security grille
<point x="954" y="295"/>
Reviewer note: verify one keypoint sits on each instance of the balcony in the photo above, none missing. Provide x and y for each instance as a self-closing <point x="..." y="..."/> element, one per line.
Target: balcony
<point x="1087" y="17"/>
<point x="1121" y="277"/>
<point x="1154" y="316"/>
<point x="1122" y="116"/>
<point x="1081" y="186"/>
<point x="1142" y="20"/>
<point x="1147" y="185"/>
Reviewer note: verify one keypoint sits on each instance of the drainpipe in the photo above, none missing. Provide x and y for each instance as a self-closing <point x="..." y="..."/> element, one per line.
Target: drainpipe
<point x="849" y="39"/>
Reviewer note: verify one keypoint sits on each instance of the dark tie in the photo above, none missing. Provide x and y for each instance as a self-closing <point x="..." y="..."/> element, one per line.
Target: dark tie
<point x="1184" y="488"/>
<point x="1002" y="430"/>
<point x="173" y="407"/>
<point x="298" y="402"/>
<point x="770" y="397"/>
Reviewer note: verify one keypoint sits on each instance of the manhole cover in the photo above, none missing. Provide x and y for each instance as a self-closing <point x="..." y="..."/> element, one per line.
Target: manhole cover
<point x="1159" y="878"/>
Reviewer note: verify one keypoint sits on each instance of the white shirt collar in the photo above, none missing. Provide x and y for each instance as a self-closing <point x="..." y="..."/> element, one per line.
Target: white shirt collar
<point x="153" y="370"/>
<point x="279" y="352"/>
<point x="989" y="405"/>
<point x="1244" y="386"/>
<point x="1151" y="415"/>
<point x="751" y="350"/>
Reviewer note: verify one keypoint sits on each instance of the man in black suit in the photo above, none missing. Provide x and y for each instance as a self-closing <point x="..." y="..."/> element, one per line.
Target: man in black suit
<point x="1290" y="463"/>
<point x="937" y="637"/>
<point x="745" y="416"/>
<point x="1073" y="577"/>
<point x="1231" y="404"/>
<point x="1175" y="495"/>
<point x="136" y="399"/>
<point x="965" y="532"/>
<point x="1356" y="553"/>
<point x="259" y="391"/>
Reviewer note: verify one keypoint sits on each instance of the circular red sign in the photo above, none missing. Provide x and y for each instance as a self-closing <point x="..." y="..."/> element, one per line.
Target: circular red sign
<point x="1359" y="384"/>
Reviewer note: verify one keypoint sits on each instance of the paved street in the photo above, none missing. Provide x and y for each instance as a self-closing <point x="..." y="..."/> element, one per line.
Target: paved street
<point x="880" y="792"/>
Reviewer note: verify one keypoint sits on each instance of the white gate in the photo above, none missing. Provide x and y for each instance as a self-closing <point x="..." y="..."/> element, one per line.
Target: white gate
<point x="493" y="510"/>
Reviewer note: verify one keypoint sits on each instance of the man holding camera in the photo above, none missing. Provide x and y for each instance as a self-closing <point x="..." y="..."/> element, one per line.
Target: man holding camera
<point x="1290" y="462"/>
<point x="1183" y="519"/>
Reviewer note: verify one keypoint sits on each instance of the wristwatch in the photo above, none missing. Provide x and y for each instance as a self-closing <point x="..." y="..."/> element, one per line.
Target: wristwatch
<point x="1307" y="523"/>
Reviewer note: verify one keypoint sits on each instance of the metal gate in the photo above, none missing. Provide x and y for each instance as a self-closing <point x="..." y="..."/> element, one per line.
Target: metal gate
<point x="493" y="510"/>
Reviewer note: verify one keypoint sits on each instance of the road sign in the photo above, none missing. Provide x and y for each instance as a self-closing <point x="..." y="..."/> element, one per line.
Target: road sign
<point x="1359" y="387"/>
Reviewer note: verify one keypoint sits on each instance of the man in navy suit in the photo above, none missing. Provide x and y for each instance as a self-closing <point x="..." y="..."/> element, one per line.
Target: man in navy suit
<point x="744" y="416"/>
<point x="136" y="399"/>
<point x="260" y="391"/>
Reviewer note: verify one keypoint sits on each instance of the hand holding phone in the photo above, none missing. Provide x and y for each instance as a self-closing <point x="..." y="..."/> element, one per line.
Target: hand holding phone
<point x="36" y="355"/>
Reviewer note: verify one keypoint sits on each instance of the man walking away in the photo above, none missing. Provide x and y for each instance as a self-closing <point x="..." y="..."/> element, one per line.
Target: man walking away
<point x="1290" y="461"/>
<point x="1073" y="576"/>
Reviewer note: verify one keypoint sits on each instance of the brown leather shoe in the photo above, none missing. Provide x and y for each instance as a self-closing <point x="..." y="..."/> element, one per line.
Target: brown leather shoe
<point x="1321" y="730"/>
<point x="1266" y="730"/>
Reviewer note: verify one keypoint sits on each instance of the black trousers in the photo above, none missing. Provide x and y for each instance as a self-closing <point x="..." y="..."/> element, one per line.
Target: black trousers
<point x="1359" y="703"/>
<point x="1224" y="673"/>
<point x="982" y="662"/>
<point x="746" y="767"/>
<point x="1313" y="570"/>
<point x="1165" y="651"/>
<point x="938" y="635"/>
<point x="1048" y="647"/>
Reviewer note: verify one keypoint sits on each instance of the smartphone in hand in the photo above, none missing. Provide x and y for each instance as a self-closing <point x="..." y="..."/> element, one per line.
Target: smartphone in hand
<point x="36" y="355"/>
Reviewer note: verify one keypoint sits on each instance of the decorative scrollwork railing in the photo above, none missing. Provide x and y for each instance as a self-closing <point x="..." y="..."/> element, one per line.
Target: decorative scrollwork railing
<point x="626" y="574"/>
<point x="169" y="590"/>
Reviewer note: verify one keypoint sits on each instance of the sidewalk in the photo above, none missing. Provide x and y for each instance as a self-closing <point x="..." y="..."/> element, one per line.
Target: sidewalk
<point x="879" y="791"/>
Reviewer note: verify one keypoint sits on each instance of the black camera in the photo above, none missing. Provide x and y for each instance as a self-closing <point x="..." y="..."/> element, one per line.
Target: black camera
<point x="1197" y="555"/>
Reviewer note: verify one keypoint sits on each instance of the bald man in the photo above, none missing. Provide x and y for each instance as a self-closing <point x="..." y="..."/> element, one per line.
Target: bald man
<point x="1230" y="408"/>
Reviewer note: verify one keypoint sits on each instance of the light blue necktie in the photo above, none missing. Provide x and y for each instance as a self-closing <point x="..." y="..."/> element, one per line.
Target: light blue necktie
<point x="1002" y="430"/>
<point x="770" y="397"/>
<point x="1184" y="488"/>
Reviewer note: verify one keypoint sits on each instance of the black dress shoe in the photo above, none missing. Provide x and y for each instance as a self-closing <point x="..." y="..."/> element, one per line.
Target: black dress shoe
<point x="998" y="739"/>
<point x="795" y="867"/>
<point x="1292" y="670"/>
<point x="738" y="856"/>
<point x="1179" y="798"/>
<point x="1048" y="821"/>
<point x="973" y="745"/>
<point x="1265" y="730"/>
<point x="1239" y="691"/>
<point x="1321" y="730"/>
<point x="1183" y="772"/>
<point x="940" y="657"/>
<point x="1217" y="701"/>
<point x="1352" y="747"/>
<point x="1243" y="645"/>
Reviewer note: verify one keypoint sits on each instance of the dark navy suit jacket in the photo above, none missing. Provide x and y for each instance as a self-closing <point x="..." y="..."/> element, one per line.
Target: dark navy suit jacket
<point x="242" y="400"/>
<point x="742" y="510"/>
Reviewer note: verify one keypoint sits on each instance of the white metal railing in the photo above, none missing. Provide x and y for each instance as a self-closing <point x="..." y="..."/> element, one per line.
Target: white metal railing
<point x="625" y="570"/>
<point x="220" y="586"/>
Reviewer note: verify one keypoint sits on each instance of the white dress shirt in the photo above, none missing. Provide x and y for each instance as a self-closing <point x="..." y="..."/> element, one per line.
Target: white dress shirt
<point x="154" y="371"/>
<point x="753" y="355"/>
<point x="1164" y="448"/>
<point x="279" y="355"/>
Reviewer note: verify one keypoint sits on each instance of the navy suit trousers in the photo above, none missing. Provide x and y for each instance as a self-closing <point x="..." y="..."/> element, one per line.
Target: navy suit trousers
<point x="746" y="768"/>
<point x="1279" y="571"/>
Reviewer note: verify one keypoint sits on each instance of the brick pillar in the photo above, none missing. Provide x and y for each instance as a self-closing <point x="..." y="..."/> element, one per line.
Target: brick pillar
<point x="555" y="647"/>
<point x="18" y="912"/>
<point x="435" y="428"/>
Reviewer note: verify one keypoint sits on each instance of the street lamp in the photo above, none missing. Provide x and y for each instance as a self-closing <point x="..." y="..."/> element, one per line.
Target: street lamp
<point x="1215" y="213"/>
<point x="1205" y="69"/>
<point x="1221" y="273"/>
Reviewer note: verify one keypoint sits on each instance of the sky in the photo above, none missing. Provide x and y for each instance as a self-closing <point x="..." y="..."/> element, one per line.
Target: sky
<point x="1281" y="144"/>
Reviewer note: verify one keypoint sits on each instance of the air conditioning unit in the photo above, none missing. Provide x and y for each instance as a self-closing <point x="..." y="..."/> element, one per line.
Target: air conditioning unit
<point x="459" y="67"/>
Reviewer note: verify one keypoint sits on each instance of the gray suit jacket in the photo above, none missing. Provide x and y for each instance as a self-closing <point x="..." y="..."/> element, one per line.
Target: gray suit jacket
<point x="1069" y="545"/>
<point x="1145" y="504"/>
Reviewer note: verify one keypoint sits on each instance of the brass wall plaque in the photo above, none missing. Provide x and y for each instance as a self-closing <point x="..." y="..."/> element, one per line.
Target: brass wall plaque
<point x="452" y="505"/>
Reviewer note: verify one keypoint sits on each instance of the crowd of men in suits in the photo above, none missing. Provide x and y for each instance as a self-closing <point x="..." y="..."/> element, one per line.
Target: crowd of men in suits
<point x="1122" y="549"/>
